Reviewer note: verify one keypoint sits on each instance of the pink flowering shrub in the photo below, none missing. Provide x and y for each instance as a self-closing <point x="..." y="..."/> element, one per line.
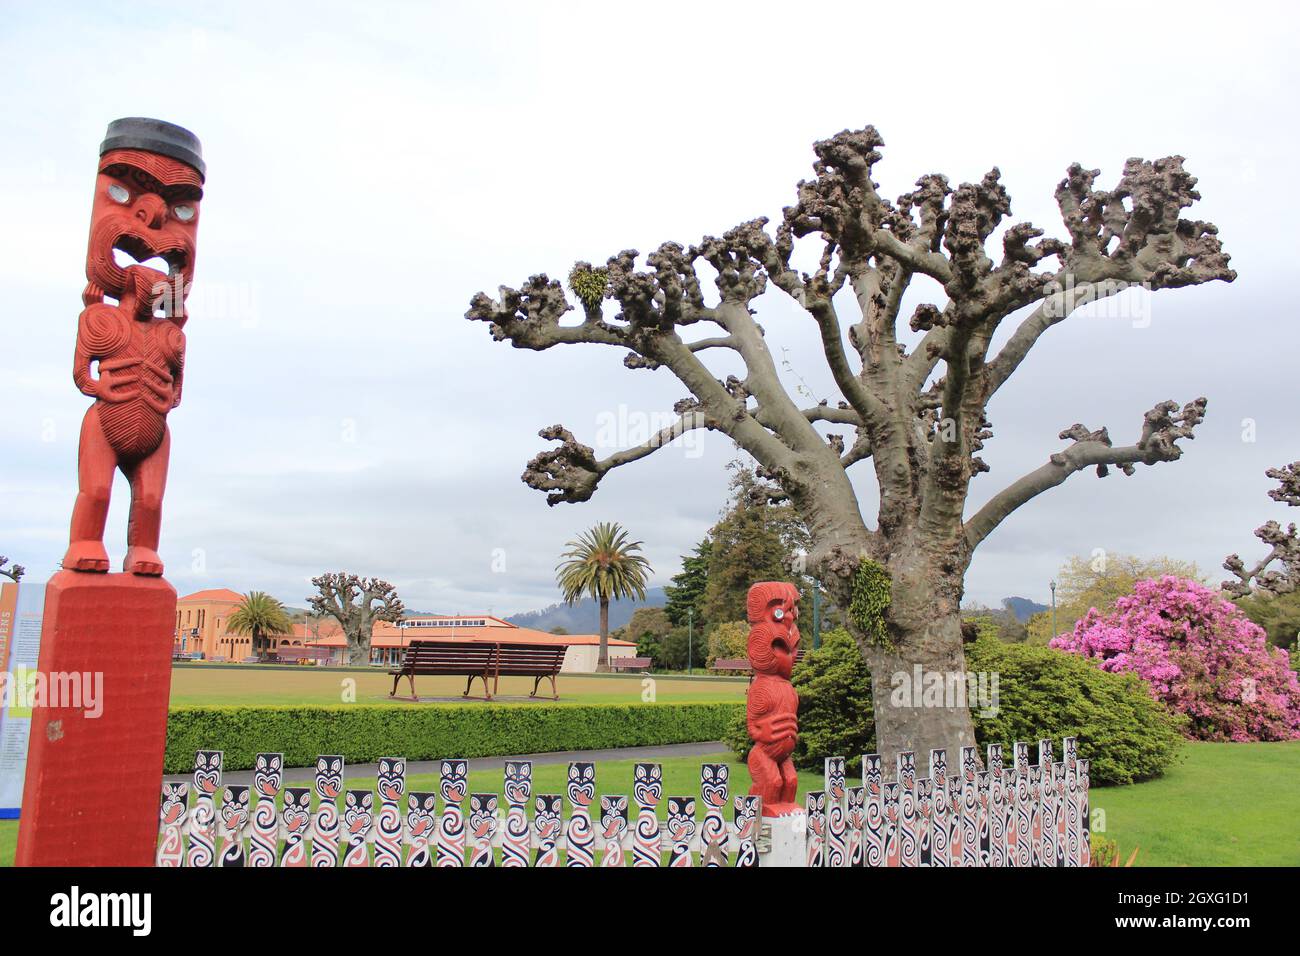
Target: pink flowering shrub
<point x="1200" y="655"/>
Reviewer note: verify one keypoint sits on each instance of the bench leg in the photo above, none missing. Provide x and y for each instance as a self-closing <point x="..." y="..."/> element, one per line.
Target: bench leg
<point x="536" y="683"/>
<point x="393" y="692"/>
<point x="411" y="679"/>
<point x="468" y="684"/>
<point x="555" y="694"/>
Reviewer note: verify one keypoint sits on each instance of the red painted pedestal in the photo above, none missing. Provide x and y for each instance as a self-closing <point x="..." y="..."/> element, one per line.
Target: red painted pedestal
<point x="92" y="789"/>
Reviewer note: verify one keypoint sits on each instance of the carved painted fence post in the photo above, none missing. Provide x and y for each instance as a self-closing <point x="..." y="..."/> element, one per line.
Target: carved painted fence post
<point x="421" y="825"/>
<point x="391" y="784"/>
<point x="482" y="828"/>
<point x="815" y="807"/>
<point x="836" y="851"/>
<point x="892" y="853"/>
<point x="874" y="785"/>
<point x="1084" y="770"/>
<point x="516" y="840"/>
<point x="908" y="851"/>
<point x="234" y="819"/>
<point x="647" y="790"/>
<point x="296" y="817"/>
<point x="1036" y="814"/>
<point x="681" y="828"/>
<point x="855" y="821"/>
<point x="984" y="818"/>
<point x="1047" y="808"/>
<point x="954" y="818"/>
<point x="1002" y="839"/>
<point x="1010" y="818"/>
<point x="613" y="825"/>
<point x="1058" y="825"/>
<point x="1024" y="808"/>
<point x="1073" y="853"/>
<point x="748" y="811"/>
<point x="941" y="808"/>
<point x="970" y="839"/>
<point x="924" y="821"/>
<point x="580" y="838"/>
<point x="358" y="818"/>
<point x="453" y="784"/>
<point x="714" y="791"/>
<point x="325" y="824"/>
<point x="264" y="833"/>
<point x="171" y="821"/>
<point x="203" y="817"/>
<point x="546" y="818"/>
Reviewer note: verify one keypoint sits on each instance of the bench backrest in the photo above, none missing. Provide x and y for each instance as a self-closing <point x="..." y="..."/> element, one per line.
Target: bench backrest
<point x="483" y="657"/>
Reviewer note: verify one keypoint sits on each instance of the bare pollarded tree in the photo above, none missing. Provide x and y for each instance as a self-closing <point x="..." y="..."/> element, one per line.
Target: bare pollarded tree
<point x="1284" y="546"/>
<point x="356" y="603"/>
<point x="918" y="415"/>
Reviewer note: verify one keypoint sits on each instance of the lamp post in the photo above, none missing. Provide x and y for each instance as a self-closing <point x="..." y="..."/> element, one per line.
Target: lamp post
<point x="690" y="640"/>
<point x="1053" y="586"/>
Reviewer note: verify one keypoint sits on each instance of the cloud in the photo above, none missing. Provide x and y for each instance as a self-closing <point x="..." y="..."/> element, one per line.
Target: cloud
<point x="370" y="171"/>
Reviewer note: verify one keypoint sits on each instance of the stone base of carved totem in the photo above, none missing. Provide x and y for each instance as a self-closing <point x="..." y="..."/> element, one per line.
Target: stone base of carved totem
<point x="787" y="840"/>
<point x="91" y="794"/>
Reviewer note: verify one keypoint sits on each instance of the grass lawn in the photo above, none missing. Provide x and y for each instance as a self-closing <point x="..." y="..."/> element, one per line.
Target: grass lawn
<point x="1221" y="805"/>
<point x="217" y="684"/>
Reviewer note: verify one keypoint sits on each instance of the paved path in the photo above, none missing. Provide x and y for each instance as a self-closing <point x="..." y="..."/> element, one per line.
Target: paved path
<point x="300" y="775"/>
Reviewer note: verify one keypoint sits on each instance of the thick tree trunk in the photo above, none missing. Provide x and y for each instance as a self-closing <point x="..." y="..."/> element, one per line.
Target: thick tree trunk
<point x="921" y="690"/>
<point x="602" y="661"/>
<point x="358" y="651"/>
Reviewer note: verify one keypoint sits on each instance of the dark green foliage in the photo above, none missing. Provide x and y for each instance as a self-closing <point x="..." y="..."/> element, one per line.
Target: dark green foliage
<point x="1279" y="615"/>
<point x="1042" y="693"/>
<point x="686" y="593"/>
<point x="674" y="645"/>
<point x="363" y="734"/>
<point x="870" y="600"/>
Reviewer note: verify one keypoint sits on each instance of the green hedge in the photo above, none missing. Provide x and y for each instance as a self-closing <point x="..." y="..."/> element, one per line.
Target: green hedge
<point x="363" y="734"/>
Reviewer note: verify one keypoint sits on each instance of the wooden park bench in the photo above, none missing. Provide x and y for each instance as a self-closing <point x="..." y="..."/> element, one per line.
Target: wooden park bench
<point x="630" y="663"/>
<point x="741" y="664"/>
<point x="482" y="660"/>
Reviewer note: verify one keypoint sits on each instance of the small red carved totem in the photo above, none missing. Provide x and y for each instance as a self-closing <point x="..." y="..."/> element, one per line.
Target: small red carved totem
<point x="773" y="611"/>
<point x="144" y="220"/>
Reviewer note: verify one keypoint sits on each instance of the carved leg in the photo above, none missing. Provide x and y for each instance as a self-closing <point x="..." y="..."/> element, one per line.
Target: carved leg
<point x="96" y="461"/>
<point x="766" y="776"/>
<point x="148" y="479"/>
<point x="789" y="781"/>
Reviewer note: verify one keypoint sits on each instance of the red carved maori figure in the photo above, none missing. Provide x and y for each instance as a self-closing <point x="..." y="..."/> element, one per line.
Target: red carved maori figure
<point x="144" y="220"/>
<point x="773" y="611"/>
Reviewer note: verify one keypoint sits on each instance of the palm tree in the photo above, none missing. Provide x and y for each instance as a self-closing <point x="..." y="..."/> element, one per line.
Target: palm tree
<point x="262" y="616"/>
<point x="604" y="564"/>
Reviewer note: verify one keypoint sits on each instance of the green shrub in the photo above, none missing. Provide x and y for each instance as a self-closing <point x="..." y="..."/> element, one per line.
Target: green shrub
<point x="1042" y="693"/>
<point x="728" y="639"/>
<point x="363" y="733"/>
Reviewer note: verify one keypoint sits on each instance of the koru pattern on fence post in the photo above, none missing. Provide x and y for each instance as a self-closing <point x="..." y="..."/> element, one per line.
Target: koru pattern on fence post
<point x="1019" y="815"/>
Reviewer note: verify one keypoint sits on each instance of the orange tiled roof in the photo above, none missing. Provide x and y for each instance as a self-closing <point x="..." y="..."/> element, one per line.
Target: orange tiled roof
<point x="217" y="595"/>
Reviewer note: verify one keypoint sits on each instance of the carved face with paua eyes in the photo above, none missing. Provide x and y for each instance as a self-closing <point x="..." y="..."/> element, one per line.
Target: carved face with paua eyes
<point x="143" y="230"/>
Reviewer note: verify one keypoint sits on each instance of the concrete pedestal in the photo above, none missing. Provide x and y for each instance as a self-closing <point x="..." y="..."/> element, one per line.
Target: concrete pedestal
<point x="786" y="840"/>
<point x="93" y="782"/>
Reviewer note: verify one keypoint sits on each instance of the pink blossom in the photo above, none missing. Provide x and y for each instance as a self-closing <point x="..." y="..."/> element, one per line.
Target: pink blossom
<point x="1200" y="655"/>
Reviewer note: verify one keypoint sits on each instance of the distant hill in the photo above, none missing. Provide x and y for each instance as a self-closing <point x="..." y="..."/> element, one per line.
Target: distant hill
<point x="584" y="617"/>
<point x="1022" y="608"/>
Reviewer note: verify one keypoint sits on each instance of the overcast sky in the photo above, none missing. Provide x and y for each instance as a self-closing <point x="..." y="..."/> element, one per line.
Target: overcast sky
<point x="371" y="167"/>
